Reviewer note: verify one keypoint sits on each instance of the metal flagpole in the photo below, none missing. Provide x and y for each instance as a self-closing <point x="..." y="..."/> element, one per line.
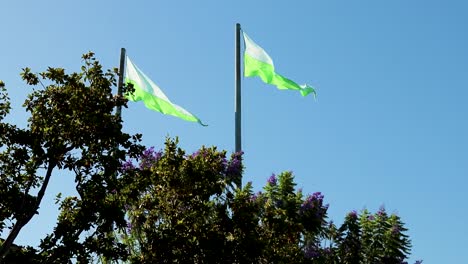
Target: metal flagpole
<point x="237" y="97"/>
<point x="120" y="82"/>
<point x="118" y="113"/>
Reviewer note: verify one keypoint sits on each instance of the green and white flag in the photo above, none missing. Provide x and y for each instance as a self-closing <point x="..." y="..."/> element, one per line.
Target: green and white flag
<point x="258" y="63"/>
<point x="152" y="96"/>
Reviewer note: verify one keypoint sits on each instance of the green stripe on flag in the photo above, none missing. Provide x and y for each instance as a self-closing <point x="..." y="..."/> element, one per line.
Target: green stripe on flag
<point x="266" y="72"/>
<point x="258" y="63"/>
<point x="152" y="96"/>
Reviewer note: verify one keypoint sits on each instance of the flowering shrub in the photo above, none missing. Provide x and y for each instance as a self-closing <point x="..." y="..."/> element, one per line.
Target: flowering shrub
<point x="185" y="208"/>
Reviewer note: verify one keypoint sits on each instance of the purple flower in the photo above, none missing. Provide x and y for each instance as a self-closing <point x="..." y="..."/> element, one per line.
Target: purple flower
<point x="314" y="200"/>
<point x="272" y="180"/>
<point x="195" y="154"/>
<point x="314" y="204"/>
<point x="234" y="167"/>
<point x="149" y="157"/>
<point x="311" y="252"/>
<point x="395" y="230"/>
<point x="353" y="214"/>
<point x="129" y="227"/>
<point x="224" y="162"/>
<point x="127" y="165"/>
<point x="371" y="217"/>
<point x="148" y="152"/>
<point x="253" y="197"/>
<point x="381" y="211"/>
<point x="308" y="203"/>
<point x="318" y="195"/>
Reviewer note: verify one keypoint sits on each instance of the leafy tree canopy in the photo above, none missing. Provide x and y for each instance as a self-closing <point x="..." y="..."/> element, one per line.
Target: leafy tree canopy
<point x="71" y="127"/>
<point x="187" y="211"/>
<point x="139" y="205"/>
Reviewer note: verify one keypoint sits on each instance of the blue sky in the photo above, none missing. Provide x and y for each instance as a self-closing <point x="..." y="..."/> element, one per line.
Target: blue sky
<point x="388" y="126"/>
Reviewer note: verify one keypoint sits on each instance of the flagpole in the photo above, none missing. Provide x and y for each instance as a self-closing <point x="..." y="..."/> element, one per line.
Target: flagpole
<point x="120" y="82"/>
<point x="237" y="97"/>
<point x="118" y="113"/>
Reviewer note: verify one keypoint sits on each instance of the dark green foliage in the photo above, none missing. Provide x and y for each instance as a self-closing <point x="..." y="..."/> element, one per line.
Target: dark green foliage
<point x="183" y="209"/>
<point x="349" y="245"/>
<point x="181" y="205"/>
<point x="71" y="127"/>
<point x="371" y="238"/>
<point x="147" y="206"/>
<point x="21" y="255"/>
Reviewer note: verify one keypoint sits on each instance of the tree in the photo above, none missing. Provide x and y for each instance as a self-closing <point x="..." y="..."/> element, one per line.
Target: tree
<point x="189" y="212"/>
<point x="71" y="127"/>
<point x="138" y="205"/>
<point x="183" y="208"/>
<point x="372" y="238"/>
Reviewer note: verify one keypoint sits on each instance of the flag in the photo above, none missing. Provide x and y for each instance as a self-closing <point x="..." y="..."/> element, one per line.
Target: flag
<point x="258" y="63"/>
<point x="152" y="96"/>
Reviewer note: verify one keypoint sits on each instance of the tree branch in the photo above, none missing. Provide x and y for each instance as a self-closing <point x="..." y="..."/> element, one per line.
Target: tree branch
<point x="20" y="223"/>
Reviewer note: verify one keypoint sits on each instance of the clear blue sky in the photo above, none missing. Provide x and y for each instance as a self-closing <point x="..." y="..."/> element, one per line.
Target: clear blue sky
<point x="389" y="125"/>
